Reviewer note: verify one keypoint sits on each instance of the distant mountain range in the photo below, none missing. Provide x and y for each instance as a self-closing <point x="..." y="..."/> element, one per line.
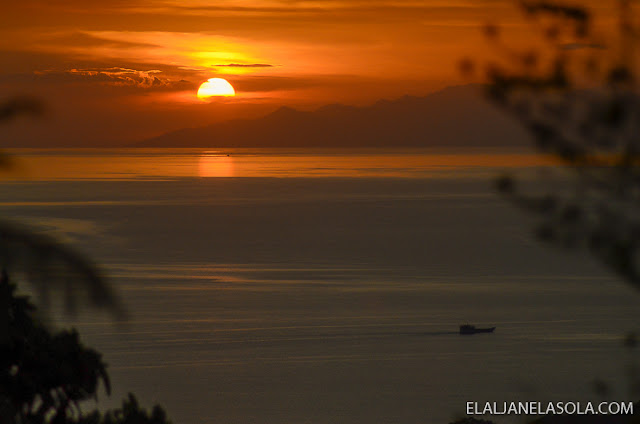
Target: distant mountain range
<point x="455" y="116"/>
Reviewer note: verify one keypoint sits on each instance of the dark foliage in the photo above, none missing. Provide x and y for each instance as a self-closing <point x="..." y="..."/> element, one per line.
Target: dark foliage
<point x="577" y="95"/>
<point x="45" y="376"/>
<point x="52" y="267"/>
<point x="578" y="99"/>
<point x="55" y="268"/>
<point x="19" y="106"/>
<point x="130" y="413"/>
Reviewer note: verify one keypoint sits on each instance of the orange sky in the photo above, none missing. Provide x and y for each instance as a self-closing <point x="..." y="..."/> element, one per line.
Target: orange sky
<point x="117" y="71"/>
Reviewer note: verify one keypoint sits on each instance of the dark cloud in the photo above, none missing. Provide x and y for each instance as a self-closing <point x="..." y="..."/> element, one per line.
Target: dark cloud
<point x="20" y="70"/>
<point x="30" y="63"/>
<point x="245" y="65"/>
<point x="579" y="46"/>
<point x="281" y="19"/>
<point x="115" y="76"/>
<point x="89" y="40"/>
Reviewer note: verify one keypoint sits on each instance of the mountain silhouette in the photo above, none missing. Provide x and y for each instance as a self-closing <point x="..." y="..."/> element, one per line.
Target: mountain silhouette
<point x="455" y="116"/>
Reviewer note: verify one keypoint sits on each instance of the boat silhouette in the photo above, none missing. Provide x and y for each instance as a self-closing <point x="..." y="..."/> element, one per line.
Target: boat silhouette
<point x="471" y="329"/>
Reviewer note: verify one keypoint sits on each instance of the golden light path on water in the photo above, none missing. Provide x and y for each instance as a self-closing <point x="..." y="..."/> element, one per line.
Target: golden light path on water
<point x="290" y="283"/>
<point x="127" y="164"/>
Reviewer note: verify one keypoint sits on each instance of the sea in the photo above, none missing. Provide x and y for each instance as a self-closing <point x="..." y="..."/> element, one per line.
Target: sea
<point x="320" y="286"/>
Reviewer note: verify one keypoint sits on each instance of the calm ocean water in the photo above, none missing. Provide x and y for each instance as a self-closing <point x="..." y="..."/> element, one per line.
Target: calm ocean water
<point x="282" y="286"/>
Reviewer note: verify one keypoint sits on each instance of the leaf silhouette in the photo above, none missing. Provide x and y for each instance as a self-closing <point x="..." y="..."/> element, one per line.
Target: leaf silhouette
<point x="55" y="269"/>
<point x="52" y="267"/>
<point x="588" y="119"/>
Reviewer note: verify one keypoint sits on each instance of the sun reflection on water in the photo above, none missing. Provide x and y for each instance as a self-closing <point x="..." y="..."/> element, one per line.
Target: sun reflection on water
<point x="215" y="165"/>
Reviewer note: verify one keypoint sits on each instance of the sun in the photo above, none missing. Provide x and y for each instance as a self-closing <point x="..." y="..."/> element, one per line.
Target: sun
<point x="215" y="87"/>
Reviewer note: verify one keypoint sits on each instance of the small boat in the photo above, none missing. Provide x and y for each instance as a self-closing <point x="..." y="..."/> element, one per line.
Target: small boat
<point x="471" y="329"/>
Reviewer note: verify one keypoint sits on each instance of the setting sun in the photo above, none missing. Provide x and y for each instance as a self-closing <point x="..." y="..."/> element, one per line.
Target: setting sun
<point x="215" y="87"/>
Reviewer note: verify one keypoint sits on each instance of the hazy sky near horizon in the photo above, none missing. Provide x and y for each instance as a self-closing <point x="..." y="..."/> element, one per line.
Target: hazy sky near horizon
<point x="118" y="71"/>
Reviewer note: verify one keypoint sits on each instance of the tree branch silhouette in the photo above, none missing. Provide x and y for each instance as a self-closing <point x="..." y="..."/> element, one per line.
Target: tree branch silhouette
<point x="578" y="99"/>
<point x="46" y="375"/>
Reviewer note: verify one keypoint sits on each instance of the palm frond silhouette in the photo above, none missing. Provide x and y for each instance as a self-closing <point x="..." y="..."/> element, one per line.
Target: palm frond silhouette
<point x="50" y="266"/>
